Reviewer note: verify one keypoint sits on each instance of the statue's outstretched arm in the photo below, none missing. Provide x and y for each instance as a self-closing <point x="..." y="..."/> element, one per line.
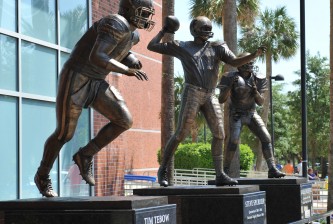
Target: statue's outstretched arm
<point x="239" y="61"/>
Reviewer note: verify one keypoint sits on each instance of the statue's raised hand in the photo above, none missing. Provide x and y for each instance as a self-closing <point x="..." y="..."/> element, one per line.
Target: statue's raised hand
<point x="261" y="50"/>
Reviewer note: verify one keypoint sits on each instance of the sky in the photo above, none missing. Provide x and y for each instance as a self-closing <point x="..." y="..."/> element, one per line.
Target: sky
<point x="316" y="33"/>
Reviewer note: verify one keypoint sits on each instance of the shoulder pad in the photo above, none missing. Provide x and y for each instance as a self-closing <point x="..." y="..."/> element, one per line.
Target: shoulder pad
<point x="217" y="43"/>
<point x="118" y="21"/>
<point x="183" y="43"/>
<point x="226" y="79"/>
<point x="260" y="75"/>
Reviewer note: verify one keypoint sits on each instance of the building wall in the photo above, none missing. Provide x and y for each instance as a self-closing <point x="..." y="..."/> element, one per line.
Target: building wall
<point x="135" y="151"/>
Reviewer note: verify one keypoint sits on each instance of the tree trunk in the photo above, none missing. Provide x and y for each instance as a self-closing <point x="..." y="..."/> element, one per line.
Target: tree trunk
<point x="230" y="37"/>
<point x="167" y="101"/>
<point x="330" y="155"/>
<point x="260" y="163"/>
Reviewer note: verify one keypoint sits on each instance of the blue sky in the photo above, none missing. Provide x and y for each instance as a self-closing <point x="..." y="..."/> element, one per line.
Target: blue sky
<point x="317" y="32"/>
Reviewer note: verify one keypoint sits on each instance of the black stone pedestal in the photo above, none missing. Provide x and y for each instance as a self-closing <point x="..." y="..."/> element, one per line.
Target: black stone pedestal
<point x="287" y="199"/>
<point x="92" y="210"/>
<point x="211" y="204"/>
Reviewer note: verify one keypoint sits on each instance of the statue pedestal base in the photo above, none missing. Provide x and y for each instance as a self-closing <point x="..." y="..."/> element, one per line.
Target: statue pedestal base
<point x="287" y="199"/>
<point x="211" y="204"/>
<point x="84" y="210"/>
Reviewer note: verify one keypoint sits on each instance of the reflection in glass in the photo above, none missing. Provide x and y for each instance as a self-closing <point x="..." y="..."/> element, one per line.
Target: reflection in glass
<point x="39" y="69"/>
<point x="71" y="181"/>
<point x="38" y="122"/>
<point x="9" y="144"/>
<point x="8" y="14"/>
<point x="38" y="19"/>
<point x="8" y="63"/>
<point x="73" y="21"/>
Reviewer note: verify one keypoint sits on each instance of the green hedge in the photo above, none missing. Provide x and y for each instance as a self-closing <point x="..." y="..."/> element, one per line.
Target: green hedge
<point x="198" y="155"/>
<point x="246" y="157"/>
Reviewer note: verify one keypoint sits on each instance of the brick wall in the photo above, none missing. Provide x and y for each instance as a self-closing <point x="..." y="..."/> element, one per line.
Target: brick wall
<point x="135" y="150"/>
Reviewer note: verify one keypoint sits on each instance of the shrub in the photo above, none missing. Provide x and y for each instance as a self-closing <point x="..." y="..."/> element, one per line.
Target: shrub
<point x="198" y="155"/>
<point x="193" y="155"/>
<point x="246" y="157"/>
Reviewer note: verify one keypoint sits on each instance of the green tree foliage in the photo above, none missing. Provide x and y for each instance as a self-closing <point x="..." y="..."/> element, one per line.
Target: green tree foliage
<point x="317" y="86"/>
<point x="275" y="30"/>
<point x="283" y="125"/>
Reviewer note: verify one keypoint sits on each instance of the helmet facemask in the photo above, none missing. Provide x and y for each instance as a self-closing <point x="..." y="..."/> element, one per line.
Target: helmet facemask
<point x="138" y="12"/>
<point x="248" y="67"/>
<point x="142" y="18"/>
<point x="206" y="32"/>
<point x="201" y="27"/>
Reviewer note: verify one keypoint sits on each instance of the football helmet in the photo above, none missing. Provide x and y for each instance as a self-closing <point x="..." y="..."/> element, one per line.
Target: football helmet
<point x="138" y="12"/>
<point x="201" y="27"/>
<point x="248" y="67"/>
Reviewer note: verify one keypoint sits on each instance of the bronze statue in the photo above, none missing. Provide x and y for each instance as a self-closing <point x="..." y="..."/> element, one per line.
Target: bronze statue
<point x="201" y="62"/>
<point x="246" y="88"/>
<point x="104" y="48"/>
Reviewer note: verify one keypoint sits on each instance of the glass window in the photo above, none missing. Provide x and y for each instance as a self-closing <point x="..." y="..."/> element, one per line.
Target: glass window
<point x="39" y="69"/>
<point x="38" y="123"/>
<point x="73" y="21"/>
<point x="63" y="58"/>
<point x="8" y="63"/>
<point x="38" y="19"/>
<point x="9" y="144"/>
<point x="71" y="181"/>
<point x="8" y="14"/>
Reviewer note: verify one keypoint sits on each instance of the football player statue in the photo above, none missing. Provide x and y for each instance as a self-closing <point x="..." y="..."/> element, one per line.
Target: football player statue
<point x="104" y="48"/>
<point x="201" y="60"/>
<point x="246" y="88"/>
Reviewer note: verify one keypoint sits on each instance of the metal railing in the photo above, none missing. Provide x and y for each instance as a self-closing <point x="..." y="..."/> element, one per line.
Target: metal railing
<point x="138" y="181"/>
<point x="319" y="218"/>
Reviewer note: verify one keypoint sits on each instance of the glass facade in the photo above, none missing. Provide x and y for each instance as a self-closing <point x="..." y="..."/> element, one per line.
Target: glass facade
<point x="36" y="38"/>
<point x="8" y="63"/>
<point x="9" y="142"/>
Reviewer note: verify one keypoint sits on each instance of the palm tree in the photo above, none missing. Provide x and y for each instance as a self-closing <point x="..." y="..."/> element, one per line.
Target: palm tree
<point x="277" y="31"/>
<point x="330" y="155"/>
<point x="167" y="101"/>
<point x="247" y="10"/>
<point x="227" y="13"/>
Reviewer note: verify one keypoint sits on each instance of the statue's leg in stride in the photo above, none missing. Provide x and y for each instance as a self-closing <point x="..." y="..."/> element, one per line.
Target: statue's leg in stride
<point x="235" y="127"/>
<point x="213" y="115"/>
<point x="111" y="105"/>
<point x="188" y="111"/>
